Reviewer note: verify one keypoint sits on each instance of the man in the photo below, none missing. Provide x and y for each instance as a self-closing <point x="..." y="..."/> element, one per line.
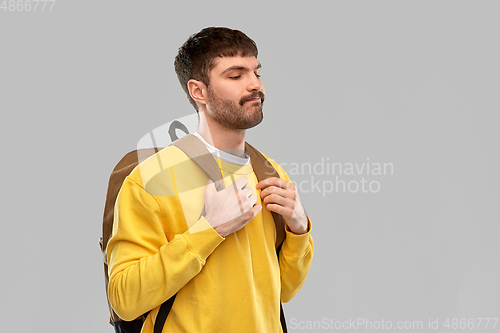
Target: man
<point x="221" y="265"/>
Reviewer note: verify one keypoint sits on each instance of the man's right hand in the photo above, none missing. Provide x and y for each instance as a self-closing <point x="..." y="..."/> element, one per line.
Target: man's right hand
<point x="232" y="208"/>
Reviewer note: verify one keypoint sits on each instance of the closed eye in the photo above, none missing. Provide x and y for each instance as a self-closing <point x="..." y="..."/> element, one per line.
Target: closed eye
<point x="235" y="77"/>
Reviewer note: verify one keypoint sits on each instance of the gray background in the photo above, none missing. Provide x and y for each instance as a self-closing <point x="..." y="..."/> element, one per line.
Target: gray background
<point x="415" y="84"/>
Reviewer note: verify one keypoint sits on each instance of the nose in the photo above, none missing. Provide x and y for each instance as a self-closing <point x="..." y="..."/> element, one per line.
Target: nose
<point x="255" y="84"/>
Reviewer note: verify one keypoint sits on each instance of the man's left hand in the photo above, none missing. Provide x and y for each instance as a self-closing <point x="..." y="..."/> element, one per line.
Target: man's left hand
<point x="281" y="197"/>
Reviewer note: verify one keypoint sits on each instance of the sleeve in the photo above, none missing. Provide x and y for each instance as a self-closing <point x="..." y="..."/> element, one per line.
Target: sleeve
<point x="146" y="269"/>
<point x="296" y="254"/>
<point x="295" y="260"/>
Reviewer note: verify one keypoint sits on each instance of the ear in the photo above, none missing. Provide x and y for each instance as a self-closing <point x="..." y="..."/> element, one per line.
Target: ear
<point x="198" y="91"/>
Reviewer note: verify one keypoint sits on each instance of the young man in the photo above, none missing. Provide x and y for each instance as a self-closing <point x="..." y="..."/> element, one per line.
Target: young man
<point x="221" y="265"/>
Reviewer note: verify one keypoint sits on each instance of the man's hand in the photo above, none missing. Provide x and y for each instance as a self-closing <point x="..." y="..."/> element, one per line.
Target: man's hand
<point x="232" y="208"/>
<point x="281" y="197"/>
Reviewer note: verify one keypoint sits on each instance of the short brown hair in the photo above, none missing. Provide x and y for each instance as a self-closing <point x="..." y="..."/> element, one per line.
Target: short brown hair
<point x="196" y="57"/>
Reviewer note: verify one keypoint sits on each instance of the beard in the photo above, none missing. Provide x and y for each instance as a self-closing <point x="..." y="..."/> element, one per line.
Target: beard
<point x="236" y="116"/>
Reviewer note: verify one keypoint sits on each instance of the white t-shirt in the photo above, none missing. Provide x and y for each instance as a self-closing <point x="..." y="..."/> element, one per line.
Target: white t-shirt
<point x="224" y="156"/>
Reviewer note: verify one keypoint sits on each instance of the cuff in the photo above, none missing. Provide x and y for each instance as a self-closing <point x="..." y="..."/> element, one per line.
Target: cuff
<point x="202" y="239"/>
<point x="296" y="245"/>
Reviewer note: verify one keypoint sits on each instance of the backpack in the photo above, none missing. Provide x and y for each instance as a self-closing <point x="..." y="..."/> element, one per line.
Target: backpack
<point x="196" y="150"/>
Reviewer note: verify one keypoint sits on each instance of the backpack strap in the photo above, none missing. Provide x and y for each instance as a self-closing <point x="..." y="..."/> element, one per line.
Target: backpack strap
<point x="198" y="153"/>
<point x="163" y="314"/>
<point x="263" y="169"/>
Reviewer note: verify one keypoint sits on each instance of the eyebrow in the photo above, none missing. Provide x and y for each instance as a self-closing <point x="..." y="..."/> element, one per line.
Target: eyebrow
<point x="240" y="68"/>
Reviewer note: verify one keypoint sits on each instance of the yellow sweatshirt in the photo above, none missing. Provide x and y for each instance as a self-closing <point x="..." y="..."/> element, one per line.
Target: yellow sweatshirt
<point x="161" y="246"/>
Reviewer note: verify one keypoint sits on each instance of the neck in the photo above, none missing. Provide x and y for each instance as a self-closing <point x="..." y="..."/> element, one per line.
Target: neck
<point x="229" y="140"/>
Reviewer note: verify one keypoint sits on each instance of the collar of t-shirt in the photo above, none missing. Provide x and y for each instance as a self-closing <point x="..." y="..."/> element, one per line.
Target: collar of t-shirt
<point x="224" y="156"/>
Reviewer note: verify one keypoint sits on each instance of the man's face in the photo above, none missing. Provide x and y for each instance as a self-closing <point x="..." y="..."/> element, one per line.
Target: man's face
<point x="236" y="93"/>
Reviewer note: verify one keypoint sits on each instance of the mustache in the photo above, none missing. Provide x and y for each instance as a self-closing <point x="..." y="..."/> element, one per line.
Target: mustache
<point x="246" y="98"/>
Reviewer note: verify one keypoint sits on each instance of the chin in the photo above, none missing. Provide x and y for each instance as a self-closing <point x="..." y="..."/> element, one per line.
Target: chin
<point x="254" y="123"/>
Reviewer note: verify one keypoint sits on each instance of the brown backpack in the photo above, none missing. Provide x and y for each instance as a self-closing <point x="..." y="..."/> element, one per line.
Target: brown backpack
<point x="196" y="150"/>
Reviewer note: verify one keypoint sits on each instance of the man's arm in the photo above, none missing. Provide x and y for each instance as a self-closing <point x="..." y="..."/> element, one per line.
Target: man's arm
<point x="295" y="260"/>
<point x="280" y="195"/>
<point x="145" y="269"/>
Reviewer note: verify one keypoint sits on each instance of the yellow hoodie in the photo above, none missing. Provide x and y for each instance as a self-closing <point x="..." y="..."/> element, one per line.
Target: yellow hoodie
<point x="161" y="246"/>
